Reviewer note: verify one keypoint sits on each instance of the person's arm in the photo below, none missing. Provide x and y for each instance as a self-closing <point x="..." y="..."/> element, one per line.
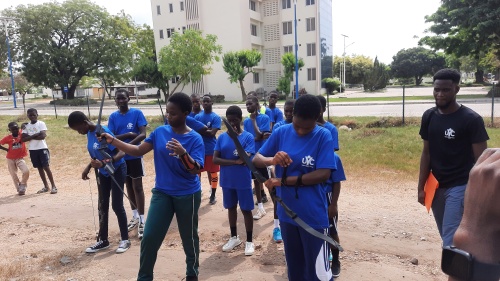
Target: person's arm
<point x="479" y="230"/>
<point x="4" y="148"/>
<point x="225" y="162"/>
<point x="425" y="168"/>
<point x="40" y="135"/>
<point x="189" y="163"/>
<point x="127" y="148"/>
<point x="258" y="134"/>
<point x="136" y="138"/>
<point x="478" y="149"/>
<point x="333" y="209"/>
<point x="86" y="171"/>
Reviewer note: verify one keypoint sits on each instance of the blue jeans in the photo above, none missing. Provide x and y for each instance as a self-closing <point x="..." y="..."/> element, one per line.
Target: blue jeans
<point x="448" y="208"/>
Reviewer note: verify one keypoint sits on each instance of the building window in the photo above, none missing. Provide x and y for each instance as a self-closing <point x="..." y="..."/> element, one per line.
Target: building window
<point x="310" y="24"/>
<point x="182" y="5"/>
<point x="174" y="79"/>
<point x="253" y="5"/>
<point x="311" y="74"/>
<point x="309" y="2"/>
<point x="253" y="29"/>
<point x="158" y="10"/>
<point x="286" y="4"/>
<point x="171" y="7"/>
<point x="311" y="49"/>
<point x="287" y="27"/>
<point x="288" y="49"/>
<point x="161" y="33"/>
<point x="256" y="79"/>
<point x="170" y="32"/>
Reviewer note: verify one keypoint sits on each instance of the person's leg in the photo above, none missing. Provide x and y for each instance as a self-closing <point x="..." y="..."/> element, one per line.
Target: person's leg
<point x="438" y="206"/>
<point x="11" y="165"/>
<point x="139" y="196"/>
<point x="317" y="266"/>
<point x="21" y="164"/>
<point x="44" y="179"/>
<point x="230" y="202"/>
<point x="161" y="212"/>
<point x="186" y="212"/>
<point x="117" y="203"/>
<point x="453" y="211"/>
<point x="131" y="196"/>
<point x="294" y="252"/>
<point x="46" y="166"/>
<point x="245" y="199"/>
<point x="103" y="206"/>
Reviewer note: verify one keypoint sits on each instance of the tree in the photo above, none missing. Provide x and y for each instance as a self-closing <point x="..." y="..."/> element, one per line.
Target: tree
<point x="145" y="66"/>
<point x="59" y="43"/>
<point x="415" y="63"/>
<point x="21" y="84"/>
<point x="466" y="28"/>
<point x="356" y="66"/>
<point x="331" y="84"/>
<point x="239" y="64"/>
<point x="188" y="57"/>
<point x="283" y="85"/>
<point x="288" y="62"/>
<point x="377" y="78"/>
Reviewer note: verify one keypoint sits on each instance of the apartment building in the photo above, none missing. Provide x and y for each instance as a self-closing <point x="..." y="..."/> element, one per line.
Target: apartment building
<point x="264" y="25"/>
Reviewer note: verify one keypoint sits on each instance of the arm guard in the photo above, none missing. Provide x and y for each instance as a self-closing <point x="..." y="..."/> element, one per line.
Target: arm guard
<point x="188" y="162"/>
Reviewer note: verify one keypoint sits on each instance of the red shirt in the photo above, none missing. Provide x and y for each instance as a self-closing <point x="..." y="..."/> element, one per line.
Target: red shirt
<point x="17" y="148"/>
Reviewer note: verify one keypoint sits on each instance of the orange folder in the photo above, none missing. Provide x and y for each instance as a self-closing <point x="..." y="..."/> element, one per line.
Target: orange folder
<point x="430" y="189"/>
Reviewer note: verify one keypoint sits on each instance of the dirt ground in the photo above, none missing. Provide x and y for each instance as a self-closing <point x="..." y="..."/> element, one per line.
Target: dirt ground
<point x="44" y="236"/>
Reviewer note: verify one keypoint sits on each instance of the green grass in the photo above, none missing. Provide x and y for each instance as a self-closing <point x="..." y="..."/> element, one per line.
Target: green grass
<point x="375" y="145"/>
<point x="430" y="97"/>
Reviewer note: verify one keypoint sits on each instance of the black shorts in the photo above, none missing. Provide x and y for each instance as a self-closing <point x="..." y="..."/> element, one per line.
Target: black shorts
<point x="135" y="168"/>
<point x="40" y="158"/>
<point x="262" y="171"/>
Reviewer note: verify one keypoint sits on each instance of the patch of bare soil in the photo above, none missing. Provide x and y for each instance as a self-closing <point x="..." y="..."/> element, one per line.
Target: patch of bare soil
<point x="44" y="236"/>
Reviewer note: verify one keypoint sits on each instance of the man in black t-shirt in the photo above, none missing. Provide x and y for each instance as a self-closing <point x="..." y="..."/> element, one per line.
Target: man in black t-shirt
<point x="454" y="137"/>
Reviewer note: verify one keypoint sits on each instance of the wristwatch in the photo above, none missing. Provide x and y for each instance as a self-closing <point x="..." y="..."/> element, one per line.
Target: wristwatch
<point x="462" y="265"/>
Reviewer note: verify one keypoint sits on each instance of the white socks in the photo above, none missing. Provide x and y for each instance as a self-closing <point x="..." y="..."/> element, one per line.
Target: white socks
<point x="141" y="218"/>
<point x="276" y="223"/>
<point x="135" y="214"/>
<point x="261" y="206"/>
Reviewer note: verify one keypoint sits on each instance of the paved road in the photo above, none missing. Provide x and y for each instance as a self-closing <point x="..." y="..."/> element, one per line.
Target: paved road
<point x="395" y="109"/>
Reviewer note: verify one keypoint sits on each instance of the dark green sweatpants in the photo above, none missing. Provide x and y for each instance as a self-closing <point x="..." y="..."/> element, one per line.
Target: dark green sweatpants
<point x="161" y="211"/>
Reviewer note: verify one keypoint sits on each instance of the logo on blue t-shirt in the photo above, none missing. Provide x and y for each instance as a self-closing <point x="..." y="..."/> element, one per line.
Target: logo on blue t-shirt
<point x="235" y="152"/>
<point x="209" y="124"/>
<point x="308" y="161"/>
<point x="449" y="134"/>
<point x="130" y="126"/>
<point x="95" y="146"/>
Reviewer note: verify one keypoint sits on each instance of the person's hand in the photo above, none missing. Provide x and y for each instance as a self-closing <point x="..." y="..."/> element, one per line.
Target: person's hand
<point x="479" y="230"/>
<point x="176" y="147"/>
<point x="85" y="173"/>
<point x="266" y="135"/>
<point x="282" y="158"/>
<point x="109" y="138"/>
<point x="239" y="161"/>
<point x="272" y="183"/>
<point x="333" y="210"/>
<point x="96" y="163"/>
<point x="421" y="197"/>
<point x="132" y="135"/>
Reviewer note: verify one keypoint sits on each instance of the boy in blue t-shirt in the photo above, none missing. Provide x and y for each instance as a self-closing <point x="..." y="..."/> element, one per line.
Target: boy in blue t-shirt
<point x="302" y="153"/>
<point x="329" y="126"/>
<point x="178" y="156"/>
<point x="195" y="100"/>
<point x="107" y="187"/>
<point x="129" y="125"/>
<point x="275" y="114"/>
<point x="258" y="125"/>
<point x="236" y="179"/>
<point x="288" y="109"/>
<point x="213" y="123"/>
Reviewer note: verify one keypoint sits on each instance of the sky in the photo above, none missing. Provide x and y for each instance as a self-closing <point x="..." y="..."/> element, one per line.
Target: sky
<point x="375" y="27"/>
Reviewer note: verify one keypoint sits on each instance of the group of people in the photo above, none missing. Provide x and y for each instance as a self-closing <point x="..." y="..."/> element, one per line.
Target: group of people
<point x="295" y="152"/>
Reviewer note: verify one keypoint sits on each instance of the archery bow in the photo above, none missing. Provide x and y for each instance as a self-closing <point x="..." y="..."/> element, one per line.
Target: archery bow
<point x="241" y="152"/>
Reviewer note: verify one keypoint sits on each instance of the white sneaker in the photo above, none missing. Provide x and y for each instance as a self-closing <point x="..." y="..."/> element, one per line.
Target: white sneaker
<point x="249" y="248"/>
<point x="233" y="242"/>
<point x="123" y="247"/>
<point x="140" y="231"/>
<point x="132" y="224"/>
<point x="260" y="214"/>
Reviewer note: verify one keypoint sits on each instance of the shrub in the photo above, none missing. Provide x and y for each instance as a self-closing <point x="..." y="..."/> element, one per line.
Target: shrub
<point x="73" y="102"/>
<point x="218" y="98"/>
<point x="45" y="96"/>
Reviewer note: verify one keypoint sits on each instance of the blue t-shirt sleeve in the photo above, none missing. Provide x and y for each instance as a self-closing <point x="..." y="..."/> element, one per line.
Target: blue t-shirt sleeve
<point x="249" y="144"/>
<point x="325" y="145"/>
<point x="194" y="124"/>
<point x="264" y="123"/>
<point x="335" y="136"/>
<point x="270" y="147"/>
<point x="217" y="143"/>
<point x="278" y="116"/>
<point x="338" y="175"/>
<point x="141" y="119"/>
<point x="197" y="151"/>
<point x="151" y="137"/>
<point x="111" y="122"/>
<point x="216" y="122"/>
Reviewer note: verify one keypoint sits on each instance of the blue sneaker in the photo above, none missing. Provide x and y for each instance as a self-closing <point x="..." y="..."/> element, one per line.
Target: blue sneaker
<point x="277" y="235"/>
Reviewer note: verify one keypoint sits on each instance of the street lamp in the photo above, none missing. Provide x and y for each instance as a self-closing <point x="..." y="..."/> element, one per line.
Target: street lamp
<point x="296" y="52"/>
<point x="5" y="22"/>
<point x="343" y="64"/>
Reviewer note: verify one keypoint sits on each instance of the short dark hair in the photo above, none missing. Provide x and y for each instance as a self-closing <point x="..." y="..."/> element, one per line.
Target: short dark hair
<point x="322" y="101"/>
<point x="234" y="110"/>
<point x="448" y="74"/>
<point x="195" y="96"/>
<point x="12" y="124"/>
<point x="253" y="98"/>
<point x="121" y="90"/>
<point x="251" y="93"/>
<point x="182" y="100"/>
<point x="76" y="118"/>
<point x="289" y="102"/>
<point x="307" y="107"/>
<point x="207" y="95"/>
<point x="274" y="93"/>
<point x="32" y="110"/>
